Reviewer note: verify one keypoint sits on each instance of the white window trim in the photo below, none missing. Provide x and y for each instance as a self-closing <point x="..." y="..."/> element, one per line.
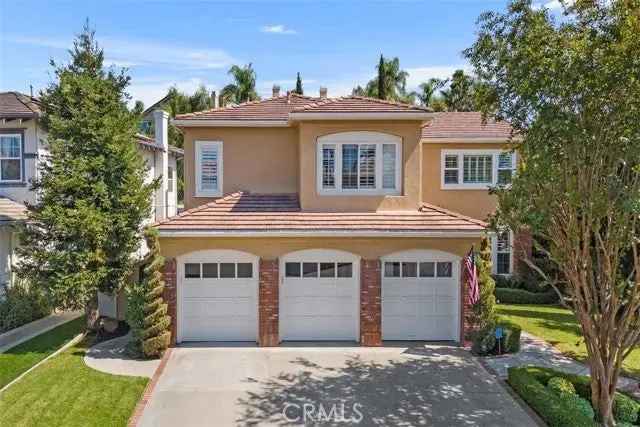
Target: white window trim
<point x="373" y="138"/>
<point x="494" y="254"/>
<point x="20" y="158"/>
<point x="198" y="177"/>
<point x="460" y="153"/>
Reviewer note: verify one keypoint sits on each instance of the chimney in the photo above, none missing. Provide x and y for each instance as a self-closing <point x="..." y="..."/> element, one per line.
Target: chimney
<point x="214" y="99"/>
<point x="323" y="92"/>
<point x="161" y="169"/>
<point x="275" y="91"/>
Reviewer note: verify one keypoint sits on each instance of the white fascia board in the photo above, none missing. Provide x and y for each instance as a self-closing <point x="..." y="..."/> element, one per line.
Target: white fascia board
<point x="359" y="116"/>
<point x="231" y="123"/>
<point x="205" y="233"/>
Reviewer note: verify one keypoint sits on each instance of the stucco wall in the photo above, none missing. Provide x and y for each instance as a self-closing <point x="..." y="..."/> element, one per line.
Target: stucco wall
<point x="260" y="160"/>
<point x="272" y="248"/>
<point x="474" y="203"/>
<point x="409" y="131"/>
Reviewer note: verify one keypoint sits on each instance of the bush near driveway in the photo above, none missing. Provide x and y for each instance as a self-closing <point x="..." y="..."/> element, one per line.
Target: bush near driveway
<point x="66" y="392"/>
<point x="22" y="357"/>
<point x="487" y="344"/>
<point x="531" y="382"/>
<point x="521" y="296"/>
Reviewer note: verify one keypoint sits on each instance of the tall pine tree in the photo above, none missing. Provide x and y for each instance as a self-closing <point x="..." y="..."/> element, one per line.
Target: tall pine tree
<point x="83" y="231"/>
<point x="299" y="89"/>
<point x="382" y="88"/>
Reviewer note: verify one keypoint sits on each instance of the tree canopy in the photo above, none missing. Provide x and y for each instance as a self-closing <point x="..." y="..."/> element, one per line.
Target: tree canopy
<point x="243" y="88"/>
<point x="298" y="88"/>
<point x="390" y="82"/>
<point x="571" y="91"/>
<point x="84" y="228"/>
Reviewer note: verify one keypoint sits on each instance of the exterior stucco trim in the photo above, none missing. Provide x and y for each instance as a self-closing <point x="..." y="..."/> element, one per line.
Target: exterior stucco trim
<point x="418" y="234"/>
<point x="230" y="123"/>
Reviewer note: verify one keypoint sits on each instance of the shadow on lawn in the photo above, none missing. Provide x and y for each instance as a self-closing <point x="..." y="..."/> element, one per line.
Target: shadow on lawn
<point x="565" y="322"/>
<point x="442" y="389"/>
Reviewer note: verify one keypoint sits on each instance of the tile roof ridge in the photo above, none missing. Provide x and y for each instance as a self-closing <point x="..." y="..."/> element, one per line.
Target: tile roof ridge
<point x="225" y="108"/>
<point x="452" y="213"/>
<point x="226" y="197"/>
<point x="389" y="102"/>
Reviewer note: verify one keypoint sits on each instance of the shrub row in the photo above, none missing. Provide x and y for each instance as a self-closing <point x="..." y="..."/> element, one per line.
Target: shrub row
<point x="625" y="409"/>
<point x="20" y="305"/>
<point x="520" y="296"/>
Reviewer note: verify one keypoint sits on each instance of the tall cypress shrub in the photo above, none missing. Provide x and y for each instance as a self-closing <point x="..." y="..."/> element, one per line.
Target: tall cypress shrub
<point x="483" y="312"/>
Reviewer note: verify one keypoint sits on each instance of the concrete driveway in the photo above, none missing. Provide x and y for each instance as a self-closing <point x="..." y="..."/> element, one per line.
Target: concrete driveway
<point x="297" y="385"/>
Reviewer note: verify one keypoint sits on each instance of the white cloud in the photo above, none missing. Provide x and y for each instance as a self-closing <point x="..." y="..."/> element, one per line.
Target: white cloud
<point x="553" y="5"/>
<point x="131" y="52"/>
<point x="151" y="89"/>
<point x="277" y="29"/>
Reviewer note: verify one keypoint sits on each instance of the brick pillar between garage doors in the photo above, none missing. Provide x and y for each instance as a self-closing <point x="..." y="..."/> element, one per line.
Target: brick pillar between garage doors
<point x="268" y="307"/>
<point x="169" y="295"/>
<point x="370" y="303"/>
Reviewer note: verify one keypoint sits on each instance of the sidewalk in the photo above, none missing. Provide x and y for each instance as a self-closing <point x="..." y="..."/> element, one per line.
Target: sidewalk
<point x="538" y="352"/>
<point x="25" y="332"/>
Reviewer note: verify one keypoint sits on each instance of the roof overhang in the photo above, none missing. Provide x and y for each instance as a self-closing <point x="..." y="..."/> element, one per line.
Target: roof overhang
<point x="466" y="140"/>
<point x="230" y="123"/>
<point x="328" y="233"/>
<point x="360" y="116"/>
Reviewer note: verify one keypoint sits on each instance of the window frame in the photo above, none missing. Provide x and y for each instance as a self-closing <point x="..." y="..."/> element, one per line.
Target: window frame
<point x="336" y="142"/>
<point x="20" y="158"/>
<point x="461" y="185"/>
<point x="198" y="147"/>
<point x="494" y="254"/>
<point x="170" y="179"/>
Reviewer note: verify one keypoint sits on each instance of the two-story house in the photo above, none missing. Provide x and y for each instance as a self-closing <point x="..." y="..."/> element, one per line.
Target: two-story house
<point x="330" y="219"/>
<point x="23" y="146"/>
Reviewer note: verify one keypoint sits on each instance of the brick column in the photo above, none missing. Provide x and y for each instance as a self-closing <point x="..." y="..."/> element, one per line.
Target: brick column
<point x="169" y="294"/>
<point x="268" y="304"/>
<point x="370" y="303"/>
<point x="522" y="249"/>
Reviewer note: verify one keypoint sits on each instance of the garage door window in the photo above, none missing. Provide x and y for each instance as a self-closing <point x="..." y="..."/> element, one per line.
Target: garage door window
<point x="192" y="271"/>
<point x="410" y="269"/>
<point x="340" y="270"/>
<point x="224" y="270"/>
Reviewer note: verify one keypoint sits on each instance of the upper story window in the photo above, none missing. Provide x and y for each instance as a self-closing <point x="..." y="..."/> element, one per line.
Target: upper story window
<point x="170" y="180"/>
<point x="502" y="244"/>
<point x="359" y="163"/>
<point x="10" y="157"/>
<point x="476" y="169"/>
<point x="208" y="168"/>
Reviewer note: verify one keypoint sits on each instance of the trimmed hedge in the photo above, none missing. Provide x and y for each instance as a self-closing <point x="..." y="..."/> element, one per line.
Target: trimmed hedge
<point x="520" y="296"/>
<point x="556" y="410"/>
<point x="625" y="409"/>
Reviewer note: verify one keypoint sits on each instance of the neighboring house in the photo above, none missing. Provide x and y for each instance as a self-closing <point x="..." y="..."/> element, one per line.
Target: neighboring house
<point x="23" y="147"/>
<point x="330" y="219"/>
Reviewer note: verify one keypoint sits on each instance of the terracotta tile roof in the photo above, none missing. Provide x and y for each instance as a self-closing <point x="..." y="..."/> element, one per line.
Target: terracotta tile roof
<point x="465" y="125"/>
<point x="358" y="104"/>
<point x="266" y="109"/>
<point x="150" y="143"/>
<point x="11" y="211"/>
<point x="246" y="212"/>
<point x="280" y="107"/>
<point x="17" y="105"/>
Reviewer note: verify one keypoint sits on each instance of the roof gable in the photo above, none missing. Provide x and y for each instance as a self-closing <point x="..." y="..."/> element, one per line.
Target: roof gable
<point x="17" y="105"/>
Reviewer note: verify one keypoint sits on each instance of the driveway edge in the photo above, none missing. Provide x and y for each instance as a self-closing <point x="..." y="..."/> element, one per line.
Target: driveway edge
<point x="148" y="391"/>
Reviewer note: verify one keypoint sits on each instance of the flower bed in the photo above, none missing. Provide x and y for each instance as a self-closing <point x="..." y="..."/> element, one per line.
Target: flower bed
<point x="563" y="400"/>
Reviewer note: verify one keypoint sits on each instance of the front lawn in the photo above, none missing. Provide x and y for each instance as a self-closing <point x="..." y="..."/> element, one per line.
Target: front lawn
<point x="65" y="392"/>
<point x="20" y="358"/>
<point x="559" y="327"/>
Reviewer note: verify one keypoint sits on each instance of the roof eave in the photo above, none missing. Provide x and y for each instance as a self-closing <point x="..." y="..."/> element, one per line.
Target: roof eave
<point x="471" y="140"/>
<point x="228" y="123"/>
<point x="361" y="116"/>
<point x="452" y="234"/>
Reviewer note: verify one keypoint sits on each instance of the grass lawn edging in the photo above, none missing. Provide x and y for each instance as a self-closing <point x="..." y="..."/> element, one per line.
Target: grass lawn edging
<point x="530" y="383"/>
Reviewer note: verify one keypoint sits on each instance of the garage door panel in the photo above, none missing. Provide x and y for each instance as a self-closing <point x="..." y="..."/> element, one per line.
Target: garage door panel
<point x="220" y="306"/>
<point x="401" y="306"/>
<point x="219" y="290"/>
<point x="306" y="328"/>
<point x="318" y="306"/>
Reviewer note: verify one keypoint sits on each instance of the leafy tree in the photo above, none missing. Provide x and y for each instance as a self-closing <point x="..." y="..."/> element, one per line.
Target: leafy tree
<point x="138" y="108"/>
<point x="359" y="91"/>
<point x="243" y="88"/>
<point x="382" y="76"/>
<point x="460" y="95"/>
<point x="148" y="312"/>
<point x="389" y="84"/>
<point x="571" y="91"/>
<point x="200" y="100"/>
<point x="427" y="91"/>
<point x="86" y="224"/>
<point x="299" y="89"/>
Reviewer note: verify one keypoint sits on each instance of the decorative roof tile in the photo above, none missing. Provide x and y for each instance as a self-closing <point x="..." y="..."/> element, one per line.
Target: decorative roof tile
<point x="465" y="125"/>
<point x="247" y="212"/>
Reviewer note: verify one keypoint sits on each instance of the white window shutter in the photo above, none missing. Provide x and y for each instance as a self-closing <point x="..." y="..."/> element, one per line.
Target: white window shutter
<point x="209" y="168"/>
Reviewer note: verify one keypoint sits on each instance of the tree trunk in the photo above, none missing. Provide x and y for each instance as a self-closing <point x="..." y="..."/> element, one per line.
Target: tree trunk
<point x="92" y="314"/>
<point x="602" y="397"/>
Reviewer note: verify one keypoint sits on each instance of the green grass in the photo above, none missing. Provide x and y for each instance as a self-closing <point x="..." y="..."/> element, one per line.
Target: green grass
<point x="65" y="392"/>
<point x="22" y="357"/>
<point x="559" y="327"/>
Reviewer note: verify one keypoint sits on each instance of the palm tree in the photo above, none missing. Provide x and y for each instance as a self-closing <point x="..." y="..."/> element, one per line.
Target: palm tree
<point x="390" y="83"/>
<point x="427" y="90"/>
<point x="244" y="87"/>
<point x="460" y="95"/>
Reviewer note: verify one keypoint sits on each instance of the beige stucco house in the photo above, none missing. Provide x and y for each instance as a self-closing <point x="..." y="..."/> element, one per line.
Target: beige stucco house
<point x="330" y="219"/>
<point x="23" y="145"/>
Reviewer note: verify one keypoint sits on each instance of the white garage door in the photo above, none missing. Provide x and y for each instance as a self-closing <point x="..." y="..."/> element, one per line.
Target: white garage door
<point x="420" y="296"/>
<point x="218" y="295"/>
<point x="319" y="296"/>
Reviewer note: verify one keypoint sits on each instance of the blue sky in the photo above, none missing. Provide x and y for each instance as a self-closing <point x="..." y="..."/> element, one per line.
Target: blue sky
<point x="188" y="43"/>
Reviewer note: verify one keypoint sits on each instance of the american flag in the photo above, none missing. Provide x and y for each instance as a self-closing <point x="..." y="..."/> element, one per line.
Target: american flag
<point x="472" y="277"/>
